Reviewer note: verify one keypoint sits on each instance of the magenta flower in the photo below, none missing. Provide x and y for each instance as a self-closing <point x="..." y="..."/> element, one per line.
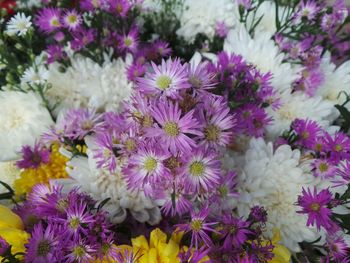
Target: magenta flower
<point x="90" y="5"/>
<point x="166" y="80"/>
<point x="338" y="145"/>
<point x="221" y="29"/>
<point x="307" y="9"/>
<point x="323" y="168"/>
<point x="128" y="42"/>
<point x="43" y="244"/>
<point x="201" y="170"/>
<point x="200" y="77"/>
<point x="307" y="131"/>
<point x="80" y="252"/>
<point x="48" y="19"/>
<point x="55" y="53"/>
<point x="104" y="152"/>
<point x="82" y="37"/>
<point x="121" y="7"/>
<point x="77" y="219"/>
<point x="33" y="157"/>
<point x="315" y="205"/>
<point x="338" y="249"/>
<point x="235" y="231"/>
<point x="135" y="71"/>
<point x="162" y="48"/>
<point x="71" y="19"/>
<point x="146" y="166"/>
<point x="173" y="130"/>
<point x="199" y="228"/>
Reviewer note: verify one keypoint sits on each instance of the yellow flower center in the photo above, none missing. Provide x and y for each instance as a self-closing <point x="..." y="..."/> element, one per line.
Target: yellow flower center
<point x="44" y="248"/>
<point x="62" y="205"/>
<point x="74" y="223"/>
<point x="55" y="22"/>
<point x="305" y="135"/>
<point x="171" y="128"/>
<point x="128" y="41"/>
<point x="196" y="225"/>
<point x="79" y="251"/>
<point x="223" y="190"/>
<point x="197" y="168"/>
<point x="212" y="133"/>
<point x="338" y="148"/>
<point x="323" y="167"/>
<point x="315" y="207"/>
<point x="163" y="82"/>
<point x="150" y="164"/>
<point x="130" y="144"/>
<point x="72" y="19"/>
<point x="195" y="82"/>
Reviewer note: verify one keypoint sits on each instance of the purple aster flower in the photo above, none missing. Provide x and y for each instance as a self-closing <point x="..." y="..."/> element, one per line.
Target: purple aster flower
<point x="315" y="205"/>
<point x="258" y="214"/>
<point x="201" y="170"/>
<point x="221" y="29"/>
<point x="307" y="131"/>
<point x="172" y="129"/>
<point x="120" y="7"/>
<point x="216" y="124"/>
<point x="162" y="48"/>
<point x="90" y="5"/>
<point x="78" y="218"/>
<point x="146" y="166"/>
<point x="80" y="252"/>
<point x="344" y="171"/>
<point x="338" y="249"/>
<point x="48" y="19"/>
<point x="71" y="19"/>
<point x="33" y="157"/>
<point x="323" y="168"/>
<point x="307" y="9"/>
<point x="81" y="38"/>
<point x="338" y="145"/>
<point x="200" y="78"/>
<point x="199" y="228"/>
<point x="44" y="245"/>
<point x="104" y="152"/>
<point x="4" y="247"/>
<point x="108" y="252"/>
<point x="135" y="71"/>
<point x="235" y="231"/>
<point x="311" y="80"/>
<point x="55" y="53"/>
<point x="128" y="256"/>
<point x="165" y="80"/>
<point x="129" y="42"/>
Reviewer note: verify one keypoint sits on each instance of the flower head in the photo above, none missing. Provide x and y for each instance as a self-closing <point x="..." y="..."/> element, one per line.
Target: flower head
<point x="19" y="24"/>
<point x="71" y="19"/>
<point x="48" y="19"/>
<point x="33" y="157"/>
<point x="129" y="42"/>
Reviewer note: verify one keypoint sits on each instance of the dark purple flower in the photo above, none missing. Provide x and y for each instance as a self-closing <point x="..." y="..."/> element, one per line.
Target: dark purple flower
<point x="307" y="131"/>
<point x="4" y="246"/>
<point x="33" y="157"/>
<point x="235" y="231"/>
<point x="128" y="42"/>
<point x="82" y="37"/>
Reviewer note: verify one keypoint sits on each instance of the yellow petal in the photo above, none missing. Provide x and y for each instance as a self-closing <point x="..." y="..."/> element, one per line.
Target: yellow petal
<point x="157" y="237"/>
<point x="15" y="237"/>
<point x="9" y="219"/>
<point x="140" y="242"/>
<point x="176" y="236"/>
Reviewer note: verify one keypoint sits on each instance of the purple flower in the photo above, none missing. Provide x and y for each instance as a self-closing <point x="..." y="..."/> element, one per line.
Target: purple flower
<point x="258" y="214"/>
<point x="307" y="132"/>
<point x="200" y="77"/>
<point x="166" y="80"/>
<point x="121" y="7"/>
<point x="80" y="252"/>
<point x="173" y="130"/>
<point x="323" y="168"/>
<point x="338" y="145"/>
<point x="161" y="48"/>
<point x="235" y="231"/>
<point x="128" y="42"/>
<point x="338" y="249"/>
<point x="146" y="166"/>
<point x="307" y="9"/>
<point x="4" y="247"/>
<point x="55" y="53"/>
<point x="104" y="152"/>
<point x="199" y="228"/>
<point x="201" y="170"/>
<point x="43" y="245"/>
<point x="78" y="219"/>
<point x="82" y="37"/>
<point x="48" y="19"/>
<point x="135" y="71"/>
<point x="221" y="29"/>
<point x="315" y="205"/>
<point x="33" y="157"/>
<point x="90" y="5"/>
<point x="71" y="19"/>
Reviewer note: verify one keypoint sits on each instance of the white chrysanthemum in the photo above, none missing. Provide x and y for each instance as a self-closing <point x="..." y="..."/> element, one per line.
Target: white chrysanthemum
<point x="299" y="105"/>
<point x="262" y="52"/>
<point x="274" y="179"/>
<point x="87" y="84"/>
<point x="28" y="3"/>
<point x="37" y="75"/>
<point x="23" y="119"/>
<point x="9" y="173"/>
<point x="101" y="184"/>
<point x="202" y="16"/>
<point x="19" y="24"/>
<point x="336" y="80"/>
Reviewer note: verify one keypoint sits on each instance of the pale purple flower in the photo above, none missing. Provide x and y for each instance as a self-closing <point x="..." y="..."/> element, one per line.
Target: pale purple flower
<point x="48" y="19"/>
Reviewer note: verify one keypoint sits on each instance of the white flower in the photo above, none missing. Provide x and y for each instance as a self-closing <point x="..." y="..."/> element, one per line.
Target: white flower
<point x="262" y="52"/>
<point x="19" y="24"/>
<point x="87" y="84"/>
<point x="23" y="119"/>
<point x="33" y="75"/>
<point x="101" y="184"/>
<point x="336" y="80"/>
<point x="299" y="105"/>
<point x="274" y="179"/>
<point x="202" y="16"/>
<point x="28" y="3"/>
<point x="9" y="173"/>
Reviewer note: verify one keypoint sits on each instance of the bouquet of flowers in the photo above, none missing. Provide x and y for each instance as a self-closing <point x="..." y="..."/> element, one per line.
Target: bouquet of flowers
<point x="174" y="131"/>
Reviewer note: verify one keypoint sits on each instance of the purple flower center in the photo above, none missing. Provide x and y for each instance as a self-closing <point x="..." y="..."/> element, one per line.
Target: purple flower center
<point x="44" y="248"/>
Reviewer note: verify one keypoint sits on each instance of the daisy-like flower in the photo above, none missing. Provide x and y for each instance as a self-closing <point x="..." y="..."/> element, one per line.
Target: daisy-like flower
<point x="201" y="171"/>
<point x="129" y="42"/>
<point x="235" y="231"/>
<point x="104" y="153"/>
<point x="42" y="246"/>
<point x="19" y="25"/>
<point x="33" y="157"/>
<point x="324" y="168"/>
<point x="199" y="228"/>
<point x="166" y="79"/>
<point x="77" y="218"/>
<point x="315" y="205"/>
<point x="173" y="130"/>
<point x="71" y="19"/>
<point x="55" y="52"/>
<point x="307" y="9"/>
<point x="82" y="37"/>
<point x="217" y="125"/>
<point x="80" y="252"/>
<point x="337" y="248"/>
<point x="146" y="166"/>
<point x="307" y="132"/>
<point x="48" y="19"/>
<point x="338" y="145"/>
<point x="35" y="75"/>
<point x="200" y="78"/>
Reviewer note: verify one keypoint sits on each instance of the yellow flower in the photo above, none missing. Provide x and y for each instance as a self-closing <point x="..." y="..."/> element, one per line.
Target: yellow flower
<point x="281" y="253"/>
<point x="11" y="229"/>
<point x="54" y="169"/>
